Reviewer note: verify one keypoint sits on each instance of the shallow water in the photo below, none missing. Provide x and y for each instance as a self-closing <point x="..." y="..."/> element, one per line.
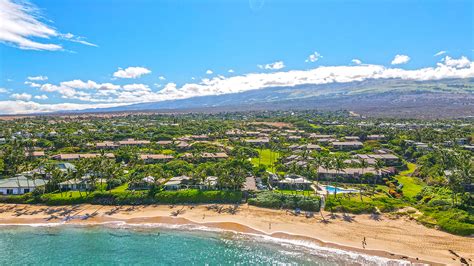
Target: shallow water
<point x="152" y="244"/>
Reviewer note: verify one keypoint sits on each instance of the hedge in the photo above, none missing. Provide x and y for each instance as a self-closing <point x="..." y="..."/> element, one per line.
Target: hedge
<point x="278" y="201"/>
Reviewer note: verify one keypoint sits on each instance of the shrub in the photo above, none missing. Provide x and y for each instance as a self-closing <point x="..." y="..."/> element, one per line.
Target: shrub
<point x="285" y="201"/>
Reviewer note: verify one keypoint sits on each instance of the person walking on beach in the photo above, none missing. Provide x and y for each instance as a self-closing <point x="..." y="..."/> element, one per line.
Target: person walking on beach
<point x="364" y="243"/>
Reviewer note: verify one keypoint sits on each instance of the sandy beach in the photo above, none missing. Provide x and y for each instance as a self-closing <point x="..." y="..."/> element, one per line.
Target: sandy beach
<point x="385" y="235"/>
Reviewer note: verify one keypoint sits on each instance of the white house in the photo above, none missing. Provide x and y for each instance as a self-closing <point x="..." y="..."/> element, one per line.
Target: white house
<point x="19" y="185"/>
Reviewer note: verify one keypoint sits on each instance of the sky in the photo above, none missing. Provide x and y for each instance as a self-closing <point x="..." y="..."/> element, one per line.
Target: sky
<point x="67" y="55"/>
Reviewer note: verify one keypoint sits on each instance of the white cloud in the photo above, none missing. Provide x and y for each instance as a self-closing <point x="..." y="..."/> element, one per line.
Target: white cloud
<point x="462" y="62"/>
<point x="21" y="26"/>
<point x="73" y="38"/>
<point x="356" y="61"/>
<point x="32" y="84"/>
<point x="400" y="59"/>
<point x="131" y="72"/>
<point x="209" y="72"/>
<point x="272" y="66"/>
<point x="313" y="57"/>
<point x="21" y="96"/>
<point x="230" y="71"/>
<point x="161" y="78"/>
<point x="41" y="97"/>
<point x="440" y="53"/>
<point x="92" y="92"/>
<point x="38" y="78"/>
<point x="3" y="90"/>
<point x="29" y="107"/>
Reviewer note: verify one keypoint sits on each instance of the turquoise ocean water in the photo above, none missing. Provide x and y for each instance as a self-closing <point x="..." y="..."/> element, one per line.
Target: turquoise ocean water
<point x="158" y="245"/>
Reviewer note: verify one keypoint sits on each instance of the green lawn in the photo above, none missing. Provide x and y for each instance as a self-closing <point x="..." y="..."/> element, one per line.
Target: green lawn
<point x="411" y="185"/>
<point x="121" y="188"/>
<point x="267" y="157"/>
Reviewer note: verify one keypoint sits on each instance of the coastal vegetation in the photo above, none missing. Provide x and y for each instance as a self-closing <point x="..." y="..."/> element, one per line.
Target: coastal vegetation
<point x="281" y="160"/>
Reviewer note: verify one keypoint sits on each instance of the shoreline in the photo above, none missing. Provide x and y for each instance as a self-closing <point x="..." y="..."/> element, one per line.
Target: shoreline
<point x="249" y="220"/>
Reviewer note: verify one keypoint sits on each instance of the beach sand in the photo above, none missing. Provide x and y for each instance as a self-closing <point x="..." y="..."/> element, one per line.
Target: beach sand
<point x="386" y="235"/>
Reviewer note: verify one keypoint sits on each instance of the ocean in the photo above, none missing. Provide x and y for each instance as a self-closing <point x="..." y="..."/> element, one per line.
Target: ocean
<point x="120" y="244"/>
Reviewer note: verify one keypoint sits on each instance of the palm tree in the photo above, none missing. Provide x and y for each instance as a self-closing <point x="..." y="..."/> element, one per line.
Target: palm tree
<point x="339" y="166"/>
<point x="363" y="164"/>
<point x="379" y="165"/>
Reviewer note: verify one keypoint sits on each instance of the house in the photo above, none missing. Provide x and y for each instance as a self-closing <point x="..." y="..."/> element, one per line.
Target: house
<point x="77" y="156"/>
<point x="376" y="137"/>
<point x="151" y="158"/>
<point x="164" y="142"/>
<point x="294" y="182"/>
<point x="133" y="142"/>
<point x="318" y="136"/>
<point x="81" y="184"/>
<point x="34" y="154"/>
<point x="351" y="138"/>
<point x="182" y="145"/>
<point x="258" y="141"/>
<point x="19" y="184"/>
<point x="347" y="145"/>
<point x="107" y="145"/>
<point x="177" y="182"/>
<point x="351" y="173"/>
<point x="145" y="183"/>
<point x="388" y="159"/>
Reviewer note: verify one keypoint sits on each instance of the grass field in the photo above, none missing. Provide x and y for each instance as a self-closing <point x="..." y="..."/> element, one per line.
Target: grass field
<point x="411" y="185"/>
<point x="266" y="157"/>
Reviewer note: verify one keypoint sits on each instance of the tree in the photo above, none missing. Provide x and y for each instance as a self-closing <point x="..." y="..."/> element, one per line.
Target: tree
<point x="379" y="165"/>
<point x="339" y="166"/>
<point x="363" y="165"/>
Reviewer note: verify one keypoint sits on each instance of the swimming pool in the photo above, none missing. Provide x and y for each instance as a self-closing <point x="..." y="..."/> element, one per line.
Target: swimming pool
<point x="331" y="189"/>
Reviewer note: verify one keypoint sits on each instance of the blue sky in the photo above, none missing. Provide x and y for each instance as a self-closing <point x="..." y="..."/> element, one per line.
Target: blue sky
<point x="181" y="40"/>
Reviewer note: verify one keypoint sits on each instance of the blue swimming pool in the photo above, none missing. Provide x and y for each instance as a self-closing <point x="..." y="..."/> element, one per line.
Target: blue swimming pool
<point x="331" y="189"/>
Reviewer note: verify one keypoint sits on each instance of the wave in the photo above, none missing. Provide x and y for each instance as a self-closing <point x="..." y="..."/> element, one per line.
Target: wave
<point x="291" y="245"/>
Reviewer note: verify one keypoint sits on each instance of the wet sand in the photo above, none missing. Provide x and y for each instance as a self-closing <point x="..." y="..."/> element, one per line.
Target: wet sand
<point x="386" y="236"/>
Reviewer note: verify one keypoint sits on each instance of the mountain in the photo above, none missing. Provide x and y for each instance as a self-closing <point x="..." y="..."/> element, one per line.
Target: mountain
<point x="391" y="97"/>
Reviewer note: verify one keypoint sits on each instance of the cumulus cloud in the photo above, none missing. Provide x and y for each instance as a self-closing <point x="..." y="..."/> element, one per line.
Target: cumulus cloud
<point x="93" y="92"/>
<point x="400" y="59"/>
<point x="38" y="78"/>
<point x="462" y="62"/>
<point x="32" y="84"/>
<point x="131" y="72"/>
<point x="313" y="57"/>
<point x="22" y="25"/>
<point x="209" y="72"/>
<point x="161" y="78"/>
<point x="21" y="96"/>
<point x="3" y="90"/>
<point x="30" y="107"/>
<point x="230" y="71"/>
<point x="272" y="66"/>
<point x="440" y="53"/>
<point x="356" y="61"/>
<point x="41" y="97"/>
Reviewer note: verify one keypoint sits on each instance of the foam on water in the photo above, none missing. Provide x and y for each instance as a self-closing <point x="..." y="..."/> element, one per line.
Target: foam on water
<point x="293" y="246"/>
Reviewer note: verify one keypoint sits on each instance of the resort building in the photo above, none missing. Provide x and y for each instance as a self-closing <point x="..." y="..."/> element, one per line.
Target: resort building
<point x="151" y="158"/>
<point x="133" y="142"/>
<point x="18" y="185"/>
<point x="177" y="182"/>
<point x="347" y="145"/>
<point x="77" y="156"/>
